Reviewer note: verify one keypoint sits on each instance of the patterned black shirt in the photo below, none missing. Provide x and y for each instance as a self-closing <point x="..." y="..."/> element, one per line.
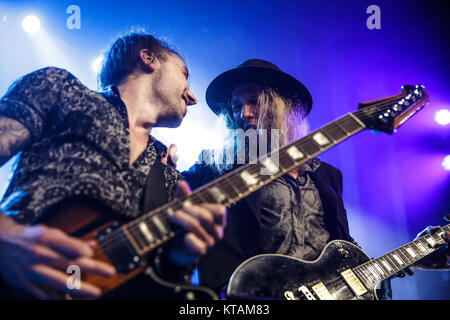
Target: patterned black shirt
<point x="80" y="146"/>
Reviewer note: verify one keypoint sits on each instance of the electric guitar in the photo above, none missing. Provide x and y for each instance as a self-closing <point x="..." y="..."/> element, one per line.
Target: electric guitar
<point x="342" y="272"/>
<point x="127" y="245"/>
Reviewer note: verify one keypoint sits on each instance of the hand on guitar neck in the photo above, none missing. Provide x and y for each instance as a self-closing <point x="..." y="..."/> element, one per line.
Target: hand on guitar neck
<point x="439" y="260"/>
<point x="34" y="259"/>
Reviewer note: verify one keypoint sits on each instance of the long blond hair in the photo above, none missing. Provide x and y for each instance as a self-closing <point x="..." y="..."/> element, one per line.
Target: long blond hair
<point x="275" y="112"/>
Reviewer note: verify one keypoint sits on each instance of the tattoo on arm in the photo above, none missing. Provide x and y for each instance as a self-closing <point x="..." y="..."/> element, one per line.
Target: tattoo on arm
<point x="13" y="137"/>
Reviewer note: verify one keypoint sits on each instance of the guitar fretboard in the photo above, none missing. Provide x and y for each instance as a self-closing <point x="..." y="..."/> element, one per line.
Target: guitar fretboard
<point x="381" y="268"/>
<point x="153" y="228"/>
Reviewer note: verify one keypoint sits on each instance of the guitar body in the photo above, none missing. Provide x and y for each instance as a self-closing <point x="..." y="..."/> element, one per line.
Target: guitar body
<point x="136" y="279"/>
<point x="275" y="276"/>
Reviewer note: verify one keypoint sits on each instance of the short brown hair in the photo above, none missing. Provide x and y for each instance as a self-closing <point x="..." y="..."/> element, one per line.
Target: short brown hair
<point x="123" y="56"/>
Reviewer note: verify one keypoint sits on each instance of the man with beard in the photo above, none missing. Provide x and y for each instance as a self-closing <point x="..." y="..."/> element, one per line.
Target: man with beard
<point x="296" y="214"/>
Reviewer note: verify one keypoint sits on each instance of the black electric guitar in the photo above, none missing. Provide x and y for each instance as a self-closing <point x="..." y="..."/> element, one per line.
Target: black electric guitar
<point x="127" y="245"/>
<point x="342" y="272"/>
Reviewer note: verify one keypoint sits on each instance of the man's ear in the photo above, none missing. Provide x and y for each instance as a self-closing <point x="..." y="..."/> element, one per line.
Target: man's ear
<point x="148" y="60"/>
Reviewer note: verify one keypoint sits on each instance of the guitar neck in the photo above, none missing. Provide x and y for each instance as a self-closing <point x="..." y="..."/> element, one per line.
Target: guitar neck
<point x="381" y="268"/>
<point x="152" y="229"/>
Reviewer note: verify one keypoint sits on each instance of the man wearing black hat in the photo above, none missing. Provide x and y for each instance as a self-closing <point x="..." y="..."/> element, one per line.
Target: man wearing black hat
<point x="298" y="213"/>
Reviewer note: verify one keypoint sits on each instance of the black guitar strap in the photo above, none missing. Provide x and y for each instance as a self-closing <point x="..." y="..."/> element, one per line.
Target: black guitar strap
<point x="155" y="193"/>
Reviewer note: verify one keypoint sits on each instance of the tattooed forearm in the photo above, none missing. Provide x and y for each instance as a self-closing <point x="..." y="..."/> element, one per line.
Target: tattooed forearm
<point x="13" y="137"/>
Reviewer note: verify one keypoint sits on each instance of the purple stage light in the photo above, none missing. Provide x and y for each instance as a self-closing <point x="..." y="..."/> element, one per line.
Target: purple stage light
<point x="446" y="163"/>
<point x="442" y="117"/>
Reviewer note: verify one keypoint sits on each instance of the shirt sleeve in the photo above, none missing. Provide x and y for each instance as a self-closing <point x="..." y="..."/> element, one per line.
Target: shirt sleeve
<point x="32" y="99"/>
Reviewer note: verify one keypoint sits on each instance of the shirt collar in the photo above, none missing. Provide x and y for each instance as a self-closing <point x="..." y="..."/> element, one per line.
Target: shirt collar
<point x="112" y="94"/>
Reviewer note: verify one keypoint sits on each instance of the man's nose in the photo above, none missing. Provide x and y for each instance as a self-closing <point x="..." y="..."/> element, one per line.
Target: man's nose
<point x="248" y="111"/>
<point x="191" y="99"/>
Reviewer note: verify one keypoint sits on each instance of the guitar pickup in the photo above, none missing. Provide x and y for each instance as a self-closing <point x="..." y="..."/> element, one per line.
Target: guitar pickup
<point x="354" y="283"/>
<point x="322" y="292"/>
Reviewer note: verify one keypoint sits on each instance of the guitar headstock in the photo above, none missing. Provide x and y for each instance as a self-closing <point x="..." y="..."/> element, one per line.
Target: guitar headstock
<point x="389" y="113"/>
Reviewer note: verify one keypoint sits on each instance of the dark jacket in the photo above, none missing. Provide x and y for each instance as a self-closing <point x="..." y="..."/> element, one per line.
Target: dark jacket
<point x="240" y="235"/>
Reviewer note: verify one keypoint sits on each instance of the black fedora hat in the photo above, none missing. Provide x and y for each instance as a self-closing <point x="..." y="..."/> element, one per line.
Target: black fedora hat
<point x="258" y="71"/>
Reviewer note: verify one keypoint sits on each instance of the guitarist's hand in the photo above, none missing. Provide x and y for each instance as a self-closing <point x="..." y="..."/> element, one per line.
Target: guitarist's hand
<point x="204" y="225"/>
<point x="171" y="157"/>
<point x="438" y="260"/>
<point x="35" y="258"/>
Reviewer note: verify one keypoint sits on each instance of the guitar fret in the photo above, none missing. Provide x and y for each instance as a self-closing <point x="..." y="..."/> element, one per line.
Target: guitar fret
<point x="372" y="276"/>
<point x="217" y="195"/>
<point x="321" y="139"/>
<point x="310" y="147"/>
<point x="386" y="266"/>
<point x="403" y="256"/>
<point x="160" y="226"/>
<point x="392" y="262"/>
<point x="423" y="248"/>
<point x="380" y="270"/>
<point x="213" y="195"/>
<point x="146" y="232"/>
<point x="286" y="161"/>
<point x="362" y="276"/>
<point x="411" y="252"/>
<point x="336" y="133"/>
<point x="138" y="239"/>
<point x="231" y="190"/>
<point x="353" y="123"/>
<point x="341" y="126"/>
<point x="438" y="238"/>
<point x="417" y="250"/>
<point x="373" y="273"/>
<point x="368" y="276"/>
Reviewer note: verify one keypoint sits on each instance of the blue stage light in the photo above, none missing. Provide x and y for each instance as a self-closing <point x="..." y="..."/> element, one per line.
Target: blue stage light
<point x="31" y="24"/>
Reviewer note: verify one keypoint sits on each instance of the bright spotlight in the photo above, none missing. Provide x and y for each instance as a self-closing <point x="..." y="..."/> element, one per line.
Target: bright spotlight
<point x="31" y="24"/>
<point x="97" y="64"/>
<point x="446" y="163"/>
<point x="442" y="117"/>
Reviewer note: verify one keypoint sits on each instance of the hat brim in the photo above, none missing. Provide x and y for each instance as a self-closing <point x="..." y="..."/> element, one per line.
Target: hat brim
<point x="218" y="93"/>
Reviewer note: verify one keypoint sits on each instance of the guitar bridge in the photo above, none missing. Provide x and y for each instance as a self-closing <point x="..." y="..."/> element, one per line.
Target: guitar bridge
<point x="307" y="293"/>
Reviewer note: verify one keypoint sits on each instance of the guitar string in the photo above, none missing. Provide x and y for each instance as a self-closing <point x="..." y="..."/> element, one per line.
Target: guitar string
<point x="133" y="225"/>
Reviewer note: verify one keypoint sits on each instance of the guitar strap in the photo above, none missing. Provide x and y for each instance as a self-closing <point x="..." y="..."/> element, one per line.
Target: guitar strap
<point x="155" y="193"/>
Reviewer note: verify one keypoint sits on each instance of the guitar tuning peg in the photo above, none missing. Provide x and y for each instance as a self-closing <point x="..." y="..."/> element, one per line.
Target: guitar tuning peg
<point x="447" y="217"/>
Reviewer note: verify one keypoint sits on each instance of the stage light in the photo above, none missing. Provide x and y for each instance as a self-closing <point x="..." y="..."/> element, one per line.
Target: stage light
<point x="442" y="117"/>
<point x="31" y="24"/>
<point x="97" y="64"/>
<point x="446" y="163"/>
